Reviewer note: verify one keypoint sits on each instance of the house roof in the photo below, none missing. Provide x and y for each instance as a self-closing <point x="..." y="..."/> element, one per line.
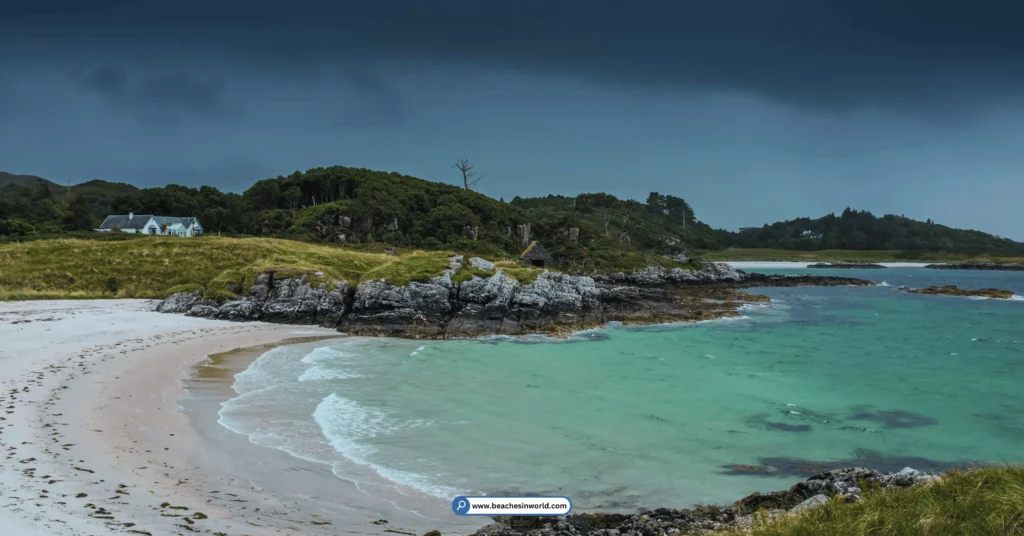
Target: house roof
<point x="138" y="221"/>
<point x="171" y="220"/>
<point x="534" y="250"/>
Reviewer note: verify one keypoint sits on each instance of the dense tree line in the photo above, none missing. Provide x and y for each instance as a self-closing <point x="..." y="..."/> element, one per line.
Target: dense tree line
<point x="855" y="229"/>
<point x="359" y="206"/>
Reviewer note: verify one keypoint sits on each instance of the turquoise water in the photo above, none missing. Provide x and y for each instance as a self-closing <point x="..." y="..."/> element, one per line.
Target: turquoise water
<point x="621" y="418"/>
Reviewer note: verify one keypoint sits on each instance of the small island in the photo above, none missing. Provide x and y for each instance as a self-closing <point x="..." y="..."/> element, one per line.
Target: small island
<point x="974" y="265"/>
<point x="951" y="290"/>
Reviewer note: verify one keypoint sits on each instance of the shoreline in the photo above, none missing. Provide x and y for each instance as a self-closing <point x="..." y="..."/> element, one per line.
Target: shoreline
<point x="96" y="441"/>
<point x="786" y="265"/>
<point x="317" y="488"/>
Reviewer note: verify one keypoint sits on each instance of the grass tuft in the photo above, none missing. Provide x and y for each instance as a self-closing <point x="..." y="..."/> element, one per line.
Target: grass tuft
<point x="987" y="500"/>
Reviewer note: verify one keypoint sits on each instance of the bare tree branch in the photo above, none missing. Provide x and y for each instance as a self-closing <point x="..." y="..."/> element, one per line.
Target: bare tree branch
<point x="469" y="177"/>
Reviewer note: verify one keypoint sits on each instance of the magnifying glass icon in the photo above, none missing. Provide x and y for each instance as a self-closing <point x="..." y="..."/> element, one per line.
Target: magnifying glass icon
<point x="460" y="506"/>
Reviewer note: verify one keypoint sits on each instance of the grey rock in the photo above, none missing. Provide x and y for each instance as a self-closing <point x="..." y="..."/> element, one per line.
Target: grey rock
<point x="908" y="477"/>
<point x="332" y="306"/>
<point x="202" y="310"/>
<point x="810" y="504"/>
<point x="495" y="291"/>
<point x="180" y="302"/>
<point x="658" y="275"/>
<point x="481" y="264"/>
<point x="292" y="301"/>
<point x="244" y="309"/>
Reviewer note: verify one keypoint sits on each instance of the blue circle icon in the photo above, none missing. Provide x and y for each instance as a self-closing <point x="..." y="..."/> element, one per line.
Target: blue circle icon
<point x="460" y="506"/>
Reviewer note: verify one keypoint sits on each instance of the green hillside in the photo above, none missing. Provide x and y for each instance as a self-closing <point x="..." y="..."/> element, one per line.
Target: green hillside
<point x="358" y="207"/>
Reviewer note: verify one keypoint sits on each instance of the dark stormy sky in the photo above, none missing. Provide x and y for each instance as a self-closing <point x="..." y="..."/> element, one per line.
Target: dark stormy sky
<point x="753" y="110"/>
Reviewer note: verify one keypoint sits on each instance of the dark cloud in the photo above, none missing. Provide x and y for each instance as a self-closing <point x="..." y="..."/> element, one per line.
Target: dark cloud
<point x="371" y="100"/>
<point x="938" y="58"/>
<point x="163" y="97"/>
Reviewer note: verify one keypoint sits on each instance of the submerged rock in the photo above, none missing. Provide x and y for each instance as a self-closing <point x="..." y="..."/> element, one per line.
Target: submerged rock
<point x="951" y="290"/>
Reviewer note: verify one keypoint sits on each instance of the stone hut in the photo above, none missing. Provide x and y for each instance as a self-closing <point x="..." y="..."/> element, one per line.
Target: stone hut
<point x="536" y="255"/>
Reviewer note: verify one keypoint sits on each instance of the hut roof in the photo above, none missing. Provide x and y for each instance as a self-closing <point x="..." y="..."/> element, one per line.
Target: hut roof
<point x="535" y="250"/>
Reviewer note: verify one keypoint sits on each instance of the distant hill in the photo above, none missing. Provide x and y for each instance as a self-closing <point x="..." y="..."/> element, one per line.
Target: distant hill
<point x="360" y="207"/>
<point x="861" y="230"/>
<point x="10" y="179"/>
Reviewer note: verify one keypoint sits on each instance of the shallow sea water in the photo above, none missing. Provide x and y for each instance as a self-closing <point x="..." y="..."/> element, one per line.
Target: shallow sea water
<point x="670" y="415"/>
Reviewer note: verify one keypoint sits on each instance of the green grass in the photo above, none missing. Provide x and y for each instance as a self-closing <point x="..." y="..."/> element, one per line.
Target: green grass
<point x="417" y="266"/>
<point x="520" y="272"/>
<point x="153" y="267"/>
<point x="845" y="255"/>
<point x="980" y="501"/>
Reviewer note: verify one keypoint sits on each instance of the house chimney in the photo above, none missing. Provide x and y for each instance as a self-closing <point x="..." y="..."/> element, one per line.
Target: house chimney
<point x="130" y="216"/>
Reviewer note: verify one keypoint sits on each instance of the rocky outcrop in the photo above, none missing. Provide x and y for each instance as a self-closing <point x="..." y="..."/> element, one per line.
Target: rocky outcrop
<point x="1011" y="266"/>
<point x="841" y="485"/>
<point x="950" y="290"/>
<point x="180" y="302"/>
<point x="286" y="301"/>
<point x="660" y="276"/>
<point x="845" y="265"/>
<point x="439" y="308"/>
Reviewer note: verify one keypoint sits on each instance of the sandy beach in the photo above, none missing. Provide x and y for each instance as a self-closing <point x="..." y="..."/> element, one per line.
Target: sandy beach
<point x="100" y="435"/>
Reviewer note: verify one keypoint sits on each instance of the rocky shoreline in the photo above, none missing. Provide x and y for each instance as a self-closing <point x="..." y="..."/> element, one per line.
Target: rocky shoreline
<point x="1008" y="266"/>
<point x="440" y="308"/>
<point x="837" y="485"/>
<point x="950" y="290"/>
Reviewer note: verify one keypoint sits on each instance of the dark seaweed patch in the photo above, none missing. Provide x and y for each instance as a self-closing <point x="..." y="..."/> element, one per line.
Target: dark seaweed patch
<point x="894" y="418"/>
<point x="787" y="467"/>
<point x="763" y="421"/>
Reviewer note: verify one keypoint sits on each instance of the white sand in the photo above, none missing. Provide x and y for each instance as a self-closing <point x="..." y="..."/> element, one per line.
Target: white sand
<point x="783" y="265"/>
<point x="92" y="440"/>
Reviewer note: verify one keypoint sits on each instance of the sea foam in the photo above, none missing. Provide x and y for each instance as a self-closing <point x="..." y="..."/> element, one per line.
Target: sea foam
<point x="321" y="373"/>
<point x="324" y="353"/>
<point x="347" y="425"/>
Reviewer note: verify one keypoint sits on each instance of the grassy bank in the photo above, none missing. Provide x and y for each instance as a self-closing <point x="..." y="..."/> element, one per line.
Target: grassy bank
<point x="846" y="255"/>
<point x="980" y="501"/>
<point x="155" y="266"/>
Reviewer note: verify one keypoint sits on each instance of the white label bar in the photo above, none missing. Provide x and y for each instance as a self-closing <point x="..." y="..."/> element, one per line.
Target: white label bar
<point x="511" y="506"/>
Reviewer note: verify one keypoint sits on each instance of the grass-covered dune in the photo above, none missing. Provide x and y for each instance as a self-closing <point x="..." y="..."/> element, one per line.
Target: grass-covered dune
<point x="153" y="267"/>
<point x="984" y="501"/>
<point x="847" y="255"/>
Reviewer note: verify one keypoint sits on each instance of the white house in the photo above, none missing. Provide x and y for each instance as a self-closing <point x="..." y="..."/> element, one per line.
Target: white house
<point x="152" y="225"/>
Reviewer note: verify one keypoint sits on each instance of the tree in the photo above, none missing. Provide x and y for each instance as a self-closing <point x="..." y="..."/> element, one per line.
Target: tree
<point x="469" y="177"/>
<point x="292" y="197"/>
